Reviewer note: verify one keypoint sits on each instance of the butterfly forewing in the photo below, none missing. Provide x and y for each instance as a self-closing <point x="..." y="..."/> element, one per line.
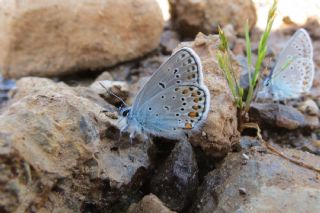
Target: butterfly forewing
<point x="299" y="46"/>
<point x="183" y="67"/>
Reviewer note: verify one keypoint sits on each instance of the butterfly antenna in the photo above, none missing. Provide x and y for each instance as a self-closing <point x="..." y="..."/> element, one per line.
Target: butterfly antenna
<point x="111" y="93"/>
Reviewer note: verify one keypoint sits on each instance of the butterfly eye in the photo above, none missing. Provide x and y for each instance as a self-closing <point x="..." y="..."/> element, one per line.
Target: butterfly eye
<point x="267" y="83"/>
<point x="125" y="112"/>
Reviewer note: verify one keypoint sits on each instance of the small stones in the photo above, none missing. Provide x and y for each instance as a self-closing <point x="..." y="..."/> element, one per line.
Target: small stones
<point x="309" y="107"/>
<point x="242" y="191"/>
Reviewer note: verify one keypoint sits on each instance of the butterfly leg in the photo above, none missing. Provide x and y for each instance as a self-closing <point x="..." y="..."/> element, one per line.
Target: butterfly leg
<point x="132" y="135"/>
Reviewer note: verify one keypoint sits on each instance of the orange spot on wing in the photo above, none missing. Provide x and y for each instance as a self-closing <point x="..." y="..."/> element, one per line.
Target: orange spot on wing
<point x="195" y="107"/>
<point x="185" y="91"/>
<point x="188" y="126"/>
<point x="193" y="114"/>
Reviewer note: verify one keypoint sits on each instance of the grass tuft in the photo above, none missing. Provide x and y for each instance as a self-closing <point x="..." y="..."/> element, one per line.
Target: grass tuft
<point x="224" y="60"/>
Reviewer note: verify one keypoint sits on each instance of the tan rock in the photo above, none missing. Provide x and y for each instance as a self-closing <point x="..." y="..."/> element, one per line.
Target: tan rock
<point x="149" y="203"/>
<point x="115" y="92"/>
<point x="220" y="129"/>
<point x="191" y="17"/>
<point x="50" y="38"/>
<point x="54" y="141"/>
<point x="309" y="107"/>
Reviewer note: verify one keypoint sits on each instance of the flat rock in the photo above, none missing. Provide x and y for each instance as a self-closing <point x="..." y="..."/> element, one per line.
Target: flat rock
<point x="284" y="116"/>
<point x="56" y="142"/>
<point x="149" y="203"/>
<point x="191" y="17"/>
<point x="51" y="38"/>
<point x="219" y="132"/>
<point x="261" y="182"/>
<point x="176" y="180"/>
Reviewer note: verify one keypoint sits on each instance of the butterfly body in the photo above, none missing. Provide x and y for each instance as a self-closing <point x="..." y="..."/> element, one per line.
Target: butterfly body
<point x="293" y="72"/>
<point x="173" y="103"/>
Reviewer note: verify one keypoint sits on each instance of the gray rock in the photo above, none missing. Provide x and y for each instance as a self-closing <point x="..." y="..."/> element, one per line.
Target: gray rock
<point x="278" y="115"/>
<point x="169" y="40"/>
<point x="271" y="184"/>
<point x="176" y="180"/>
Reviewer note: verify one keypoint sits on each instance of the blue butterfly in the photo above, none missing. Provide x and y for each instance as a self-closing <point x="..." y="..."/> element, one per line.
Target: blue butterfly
<point x="293" y="73"/>
<point x="173" y="103"/>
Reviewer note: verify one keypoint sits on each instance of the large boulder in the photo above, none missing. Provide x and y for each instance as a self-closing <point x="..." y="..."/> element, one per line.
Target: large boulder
<point x="256" y="181"/>
<point x="219" y="132"/>
<point x="50" y="38"/>
<point x="191" y="17"/>
<point x="59" y="153"/>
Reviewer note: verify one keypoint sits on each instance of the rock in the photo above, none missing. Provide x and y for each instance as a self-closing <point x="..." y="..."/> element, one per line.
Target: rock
<point x="31" y="85"/>
<point x="271" y="183"/>
<point x="221" y="126"/>
<point x="239" y="47"/>
<point x="110" y="89"/>
<point x="61" y="37"/>
<point x="309" y="107"/>
<point x="149" y="203"/>
<point x="169" y="40"/>
<point x="312" y="25"/>
<point x="191" y="17"/>
<point x="176" y="180"/>
<point x="104" y="76"/>
<point x="278" y="115"/>
<point x="56" y="143"/>
<point x="230" y="34"/>
<point x="306" y="144"/>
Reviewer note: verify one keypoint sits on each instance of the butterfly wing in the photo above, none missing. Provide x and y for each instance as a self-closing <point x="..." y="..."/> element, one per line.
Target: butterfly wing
<point x="174" y="100"/>
<point x="294" y="80"/>
<point x="183" y="66"/>
<point x="299" y="46"/>
<point x="294" y="70"/>
<point x="175" y="110"/>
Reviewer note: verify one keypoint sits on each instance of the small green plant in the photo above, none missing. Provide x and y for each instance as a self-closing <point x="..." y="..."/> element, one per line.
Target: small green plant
<point x="225" y="63"/>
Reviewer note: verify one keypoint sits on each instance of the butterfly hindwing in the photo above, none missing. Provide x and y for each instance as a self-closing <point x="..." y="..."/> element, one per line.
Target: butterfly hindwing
<point x="178" y="109"/>
<point x="293" y="80"/>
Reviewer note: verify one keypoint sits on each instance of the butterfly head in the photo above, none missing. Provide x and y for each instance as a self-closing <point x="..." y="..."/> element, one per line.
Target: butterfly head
<point x="124" y="111"/>
<point x="267" y="82"/>
<point x="266" y="90"/>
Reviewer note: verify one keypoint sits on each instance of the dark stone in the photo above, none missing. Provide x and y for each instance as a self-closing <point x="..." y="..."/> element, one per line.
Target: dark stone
<point x="176" y="180"/>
